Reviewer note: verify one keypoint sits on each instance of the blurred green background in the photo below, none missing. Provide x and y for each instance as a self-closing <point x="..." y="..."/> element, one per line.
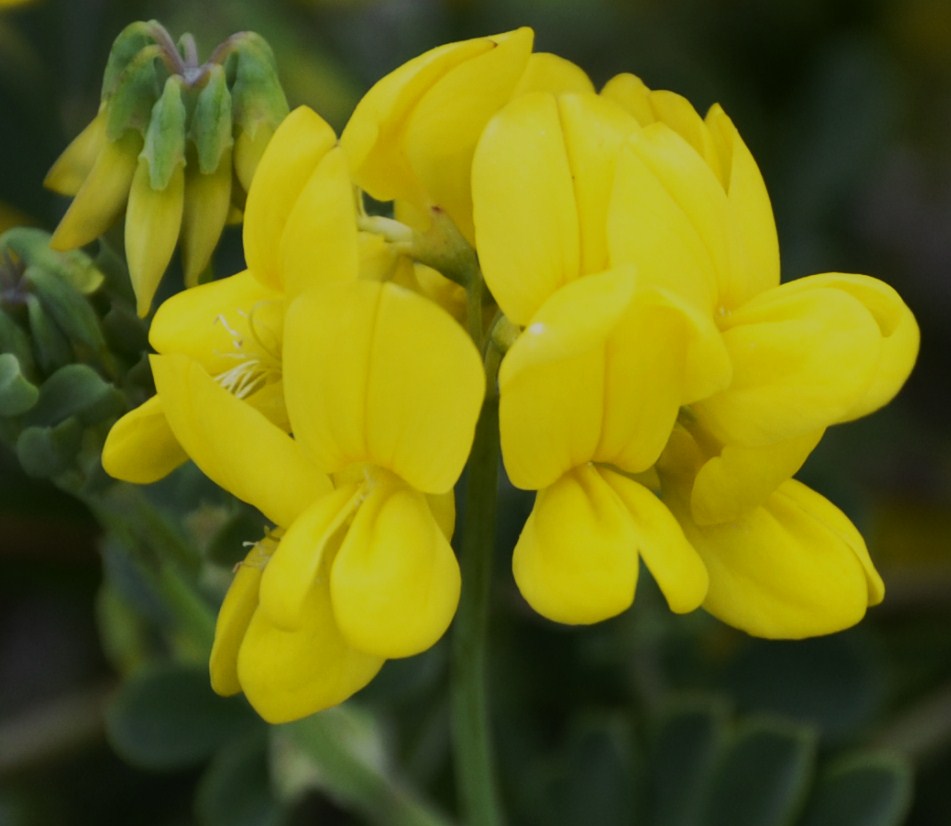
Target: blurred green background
<point x="846" y="104"/>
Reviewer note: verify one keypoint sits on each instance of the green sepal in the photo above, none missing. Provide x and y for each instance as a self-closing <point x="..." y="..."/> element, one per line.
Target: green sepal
<point x="130" y="41"/>
<point x="211" y="120"/>
<point x="137" y="90"/>
<point x="75" y="392"/>
<point x="51" y="348"/>
<point x="164" y="148"/>
<point x="257" y="95"/>
<point x="17" y="394"/>
<point x="46" y="452"/>
<point x="68" y="308"/>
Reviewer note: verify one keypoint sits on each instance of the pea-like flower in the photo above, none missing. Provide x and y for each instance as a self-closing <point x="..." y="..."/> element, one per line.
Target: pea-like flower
<point x="590" y="390"/>
<point x="301" y="230"/>
<point x="703" y="346"/>
<point x="383" y="390"/>
<point x="805" y="355"/>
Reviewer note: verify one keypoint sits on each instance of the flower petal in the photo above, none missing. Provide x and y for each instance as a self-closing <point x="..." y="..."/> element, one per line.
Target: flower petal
<point x="783" y="570"/>
<point x="668" y="216"/>
<point x="526" y="217"/>
<point x="305" y="548"/>
<point x="234" y="617"/>
<point x="546" y="72"/>
<point x="372" y="136"/>
<point x="234" y="444"/>
<point x="671" y="559"/>
<point x="395" y="582"/>
<point x="594" y="130"/>
<point x="576" y="559"/>
<point x="295" y="149"/>
<point x="375" y="373"/>
<point x="742" y="478"/>
<point x="897" y="327"/>
<point x="802" y="358"/>
<point x="754" y="252"/>
<point x="443" y="128"/>
<point x="632" y="95"/>
<point x="211" y="322"/>
<point x="287" y="675"/>
<point x="643" y="386"/>
<point x="320" y="239"/>
<point x="141" y="447"/>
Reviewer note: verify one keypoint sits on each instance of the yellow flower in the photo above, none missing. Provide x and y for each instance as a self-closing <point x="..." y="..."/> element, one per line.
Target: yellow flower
<point x="634" y="243"/>
<point x="590" y="390"/>
<point x="382" y="390"/>
<point x="690" y="210"/>
<point x="301" y="231"/>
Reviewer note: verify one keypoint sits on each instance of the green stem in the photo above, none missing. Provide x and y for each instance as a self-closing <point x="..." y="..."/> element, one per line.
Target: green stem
<point x="475" y="774"/>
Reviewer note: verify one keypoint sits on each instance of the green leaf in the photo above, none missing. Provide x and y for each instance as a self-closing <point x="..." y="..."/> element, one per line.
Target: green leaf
<point x="834" y="683"/>
<point x="50" y="345"/>
<point x="599" y="787"/>
<point x="168" y="717"/>
<point x="15" y="341"/>
<point x="235" y="789"/>
<point x="45" y="452"/>
<point x="684" y="754"/>
<point x="68" y="308"/>
<point x="75" y="391"/>
<point x="17" y="395"/>
<point x="867" y="790"/>
<point x="764" y="776"/>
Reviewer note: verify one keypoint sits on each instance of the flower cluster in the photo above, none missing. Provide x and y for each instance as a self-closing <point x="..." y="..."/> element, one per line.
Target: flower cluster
<point x="658" y="386"/>
<point x="169" y="137"/>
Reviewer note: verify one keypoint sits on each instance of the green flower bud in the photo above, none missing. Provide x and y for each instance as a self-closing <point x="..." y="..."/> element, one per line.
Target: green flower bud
<point x="171" y="136"/>
<point x="259" y="102"/>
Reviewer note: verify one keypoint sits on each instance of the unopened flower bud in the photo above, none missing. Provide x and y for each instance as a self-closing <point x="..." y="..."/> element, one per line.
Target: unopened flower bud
<point x="258" y="100"/>
<point x="170" y="137"/>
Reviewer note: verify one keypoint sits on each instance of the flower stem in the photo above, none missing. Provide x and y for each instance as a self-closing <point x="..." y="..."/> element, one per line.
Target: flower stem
<point x="475" y="775"/>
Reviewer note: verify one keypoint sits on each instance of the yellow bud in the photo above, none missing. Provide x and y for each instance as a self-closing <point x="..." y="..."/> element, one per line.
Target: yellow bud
<point x="73" y="167"/>
<point x="248" y="148"/>
<point x="102" y="194"/>
<point x="152" y="223"/>
<point x="207" y="203"/>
